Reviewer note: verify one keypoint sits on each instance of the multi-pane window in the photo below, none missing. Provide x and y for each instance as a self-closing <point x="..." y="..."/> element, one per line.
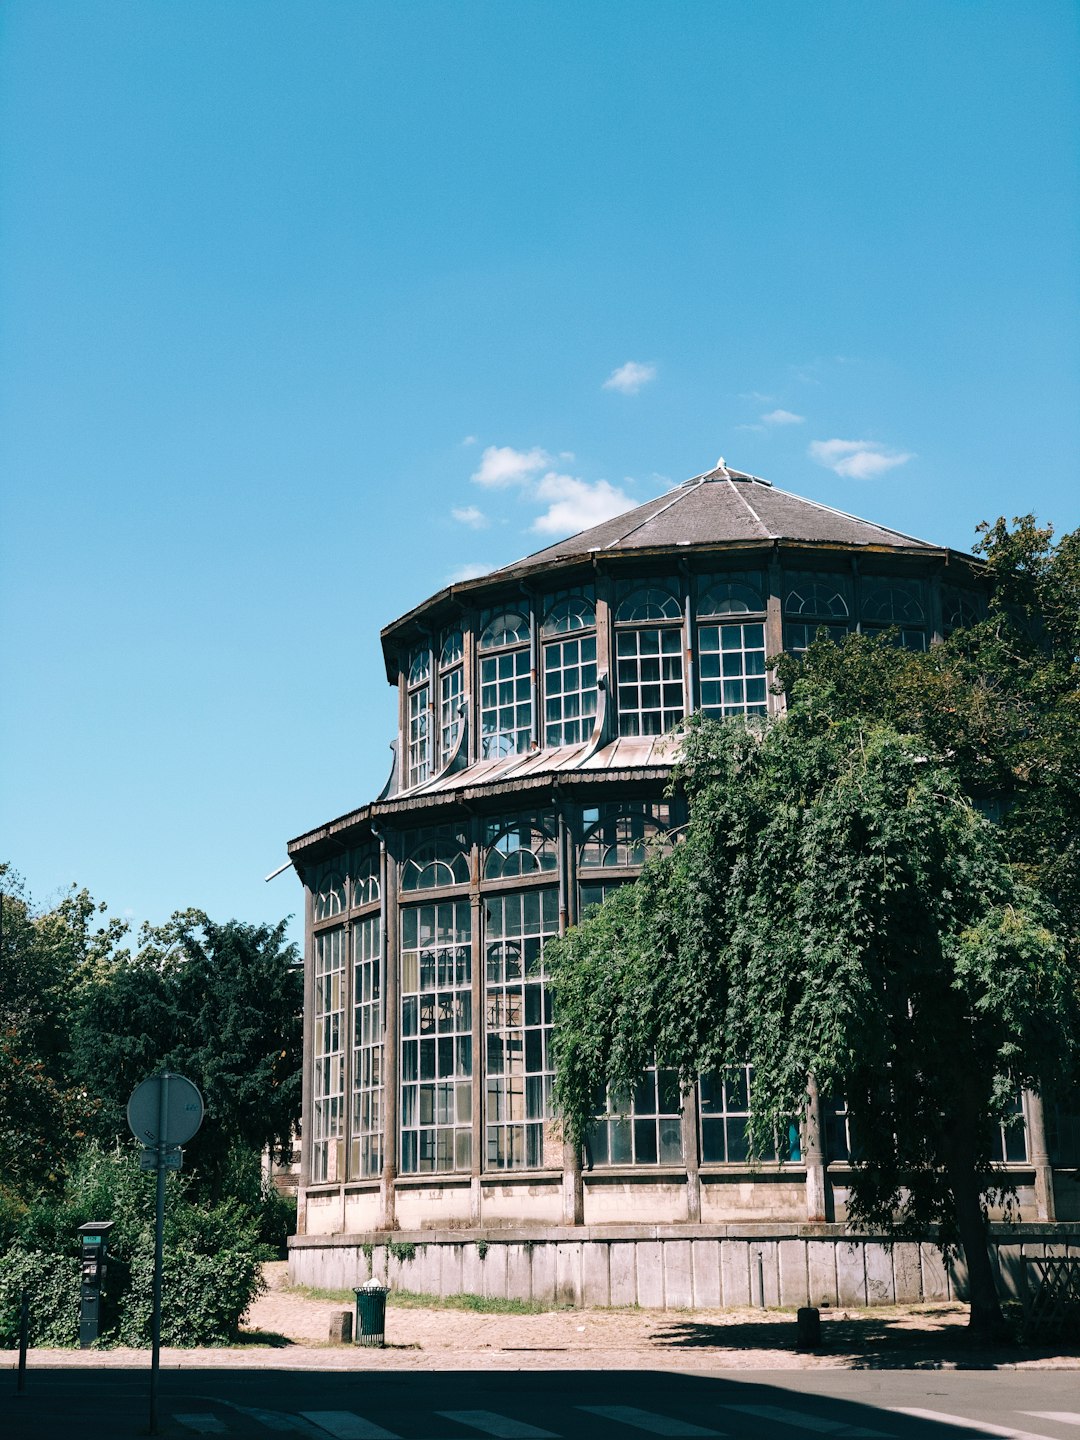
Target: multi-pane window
<point x="365" y="877"/>
<point x="732" y="666"/>
<point x="725" y="1121"/>
<point x="328" y="895"/>
<point x="518" y="1027"/>
<point x="367" y="1116"/>
<point x="436" y="1038"/>
<point x="451" y="695"/>
<point x="594" y="894"/>
<point x="617" y="836"/>
<point x="814" y="604"/>
<point x="639" y="1128"/>
<point x="328" y="1090"/>
<point x="889" y="604"/>
<point x="1010" y="1140"/>
<point x="959" y="608"/>
<point x="419" y="716"/>
<point x="569" y="669"/>
<point x="505" y="686"/>
<point x="435" y="857"/>
<point x="524" y="845"/>
<point x="649" y="660"/>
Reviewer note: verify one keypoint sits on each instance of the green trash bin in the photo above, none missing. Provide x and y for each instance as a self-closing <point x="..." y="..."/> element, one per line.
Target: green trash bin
<point x="371" y="1313"/>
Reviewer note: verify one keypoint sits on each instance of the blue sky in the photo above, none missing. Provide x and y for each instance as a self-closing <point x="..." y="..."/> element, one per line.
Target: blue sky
<point x="306" y="308"/>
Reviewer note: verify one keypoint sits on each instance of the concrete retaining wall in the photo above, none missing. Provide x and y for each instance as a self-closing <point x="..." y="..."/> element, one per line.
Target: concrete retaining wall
<point x="692" y="1270"/>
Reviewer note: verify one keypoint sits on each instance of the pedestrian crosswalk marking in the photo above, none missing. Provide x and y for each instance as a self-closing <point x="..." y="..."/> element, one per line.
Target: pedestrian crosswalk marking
<point x="201" y="1424"/>
<point x="981" y="1427"/>
<point x="1063" y="1417"/>
<point x="345" y="1425"/>
<point x="499" y="1425"/>
<point x="646" y="1420"/>
<point x="804" y="1421"/>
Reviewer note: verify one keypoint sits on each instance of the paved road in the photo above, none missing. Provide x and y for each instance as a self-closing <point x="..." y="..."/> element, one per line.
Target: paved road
<point x="79" y="1404"/>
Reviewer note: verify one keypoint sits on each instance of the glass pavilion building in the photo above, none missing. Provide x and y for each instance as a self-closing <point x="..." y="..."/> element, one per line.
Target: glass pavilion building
<point x="535" y="708"/>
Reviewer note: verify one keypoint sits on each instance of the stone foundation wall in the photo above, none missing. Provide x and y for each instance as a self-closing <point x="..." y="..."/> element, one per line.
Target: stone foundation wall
<point x="690" y="1268"/>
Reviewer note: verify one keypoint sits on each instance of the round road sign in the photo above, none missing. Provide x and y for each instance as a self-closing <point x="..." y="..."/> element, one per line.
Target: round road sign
<point x="183" y="1110"/>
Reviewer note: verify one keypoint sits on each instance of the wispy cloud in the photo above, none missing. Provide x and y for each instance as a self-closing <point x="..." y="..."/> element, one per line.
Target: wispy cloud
<point x="750" y="427"/>
<point x="469" y="440"/>
<point x="857" y="459"/>
<point x="502" y="465"/>
<point x="629" y="378"/>
<point x="470" y="515"/>
<point x="471" y="571"/>
<point x="783" y="417"/>
<point x="575" y="504"/>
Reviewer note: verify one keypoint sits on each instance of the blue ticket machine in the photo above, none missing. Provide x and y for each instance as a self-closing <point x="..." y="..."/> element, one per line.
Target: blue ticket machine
<point x="94" y="1259"/>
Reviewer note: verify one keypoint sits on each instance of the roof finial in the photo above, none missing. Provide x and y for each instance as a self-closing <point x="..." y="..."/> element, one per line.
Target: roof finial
<point x="721" y="464"/>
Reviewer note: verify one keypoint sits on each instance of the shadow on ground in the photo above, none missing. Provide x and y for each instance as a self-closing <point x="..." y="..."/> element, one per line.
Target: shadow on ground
<point x="927" y="1339"/>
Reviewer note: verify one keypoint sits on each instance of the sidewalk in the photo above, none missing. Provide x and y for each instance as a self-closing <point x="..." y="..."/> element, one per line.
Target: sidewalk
<point x="287" y="1330"/>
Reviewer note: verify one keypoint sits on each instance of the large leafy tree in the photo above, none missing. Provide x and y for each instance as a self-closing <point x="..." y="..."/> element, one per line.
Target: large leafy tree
<point x="219" y="1003"/>
<point x="842" y="907"/>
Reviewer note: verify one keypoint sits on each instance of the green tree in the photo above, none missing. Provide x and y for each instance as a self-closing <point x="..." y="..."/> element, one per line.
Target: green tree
<point x="219" y="1003"/>
<point x="839" y="909"/>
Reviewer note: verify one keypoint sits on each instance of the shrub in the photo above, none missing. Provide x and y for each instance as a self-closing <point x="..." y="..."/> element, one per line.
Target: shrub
<point x="52" y="1286"/>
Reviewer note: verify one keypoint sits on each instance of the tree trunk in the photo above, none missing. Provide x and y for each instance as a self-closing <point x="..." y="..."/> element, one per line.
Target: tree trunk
<point x="985" y="1321"/>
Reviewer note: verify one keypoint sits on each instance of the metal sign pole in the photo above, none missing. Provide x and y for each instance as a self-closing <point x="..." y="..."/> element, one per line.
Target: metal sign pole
<point x="159" y="1243"/>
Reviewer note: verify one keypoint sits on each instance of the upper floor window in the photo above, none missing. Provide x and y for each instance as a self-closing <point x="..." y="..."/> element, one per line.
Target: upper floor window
<point x="451" y="694"/>
<point x="888" y="604"/>
<point x="735" y="595"/>
<point x="328" y="898"/>
<point x="617" y="836"/>
<point x="731" y="652"/>
<point x="959" y="608"/>
<point x="365" y="877"/>
<point x="649" y="659"/>
<point x="505" y="685"/>
<point x="419" y="693"/>
<point x="814" y="603"/>
<point x="569" y="632"/>
<point x="436" y="857"/>
<point x="524" y="845"/>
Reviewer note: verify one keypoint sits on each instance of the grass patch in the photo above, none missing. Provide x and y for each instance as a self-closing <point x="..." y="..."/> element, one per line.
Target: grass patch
<point x="413" y="1300"/>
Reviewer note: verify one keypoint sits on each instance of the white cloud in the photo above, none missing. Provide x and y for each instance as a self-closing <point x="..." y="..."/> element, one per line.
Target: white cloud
<point x="502" y="465"/>
<point x="629" y="378"/>
<point x="576" y="504"/>
<point x="750" y="427"/>
<point x="469" y="440"/>
<point x="471" y="571"/>
<point x="857" y="459"/>
<point x="470" y="515"/>
<point x="783" y="417"/>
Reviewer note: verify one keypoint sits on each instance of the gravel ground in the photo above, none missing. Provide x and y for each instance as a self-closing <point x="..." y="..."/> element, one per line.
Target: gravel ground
<point x="287" y="1329"/>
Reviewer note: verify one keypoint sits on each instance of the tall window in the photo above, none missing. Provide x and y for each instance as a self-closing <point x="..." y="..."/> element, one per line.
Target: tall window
<point x="725" y="1121"/>
<point x="569" y="632"/>
<point x="639" y="1128"/>
<point x="505" y="686"/>
<point x="451" y="695"/>
<point x="1010" y="1142"/>
<point x="814" y="603"/>
<point x="419" y="716"/>
<point x="649" y="660"/>
<point x="329" y="1079"/>
<point x="367" y="1117"/>
<point x="894" y="603"/>
<point x="518" y="1027"/>
<point x="436" y="1038"/>
<point x="731" y="652"/>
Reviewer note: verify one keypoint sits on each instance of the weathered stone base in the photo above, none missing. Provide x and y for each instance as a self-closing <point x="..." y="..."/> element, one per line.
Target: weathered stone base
<point x="668" y="1267"/>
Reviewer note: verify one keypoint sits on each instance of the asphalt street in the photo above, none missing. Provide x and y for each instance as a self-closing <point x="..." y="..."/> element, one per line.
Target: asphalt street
<point x="81" y="1404"/>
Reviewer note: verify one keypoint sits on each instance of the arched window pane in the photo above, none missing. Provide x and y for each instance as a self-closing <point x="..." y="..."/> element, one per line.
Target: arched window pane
<point x="651" y="602"/>
<point x="569" y="612"/>
<point x="731" y="598"/>
<point x="365" y="877"/>
<point x="434" y="859"/>
<point x="959" y="608"/>
<point x="887" y="602"/>
<point x="452" y="648"/>
<point x="816" y="598"/>
<point x="329" y="897"/>
<point x="619" y="835"/>
<point x="508" y="627"/>
<point x="524" y="845"/>
<point x="419" y="664"/>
